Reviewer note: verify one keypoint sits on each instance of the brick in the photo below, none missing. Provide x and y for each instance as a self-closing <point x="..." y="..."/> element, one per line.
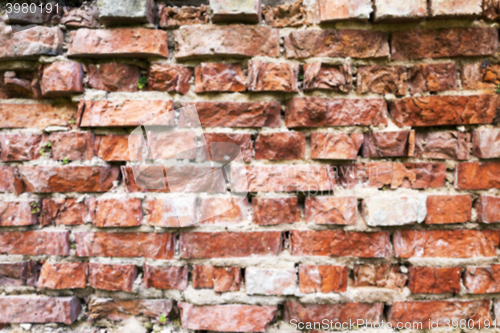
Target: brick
<point x="270" y="76"/>
<point x="114" y="148"/>
<point x="119" y="212"/>
<point x="477" y="176"/>
<point x="51" y="243"/>
<point x="341" y="10"/>
<point x="112" y="277"/>
<point x="425" y="312"/>
<point x="22" y="213"/>
<point x="63" y="211"/>
<point x="266" y="281"/>
<point x="336" y="243"/>
<point x="380" y="276"/>
<point x="275" y="211"/>
<point x="443" y="43"/>
<point x="491" y="9"/>
<point x="38" y="309"/>
<point x="445" y="243"/>
<point x="21" y="84"/>
<point x="227" y="40"/>
<point x="386" y="144"/>
<point x="432" y="77"/>
<point x="129" y="11"/>
<point x="336" y="43"/>
<point x="229" y="244"/>
<point x="7" y="180"/>
<point x="488" y="209"/>
<point x="285" y="15"/>
<point x="125" y="113"/>
<point x="322" y="112"/>
<point x="216" y="152"/>
<point x="174" y="17"/>
<point x="47" y="179"/>
<point x="67" y="275"/>
<point x="227" y="318"/>
<point x="62" y="79"/>
<point x="235" y="114"/>
<point x="322" y="76"/>
<point x="236" y="11"/>
<point x="119" y="310"/>
<point x="169" y="77"/>
<point x="322" y="279"/>
<point x="335" y="146"/>
<point x="17" y="274"/>
<point x="72" y="146"/>
<point x="365" y="175"/>
<point x="450" y="8"/>
<point x="30" y="43"/>
<point x="336" y="313"/>
<point x="171" y="145"/>
<point x="225" y="210"/>
<point x="399" y="11"/>
<point x="451" y="145"/>
<point x="85" y="16"/>
<point x="41" y="115"/>
<point x="481" y="75"/>
<point x="444" y="110"/>
<point x="418" y="175"/>
<point x="432" y="280"/>
<point x="282" y="178"/>
<point x="486" y="142"/>
<point x="172" y="212"/>
<point x="280" y="146"/>
<point x="220" y="279"/>
<point x="448" y="209"/>
<point x="331" y="210"/>
<point x="120" y="42"/>
<point x="382" y="80"/>
<point x="113" y="76"/>
<point x="482" y="279"/>
<point x="159" y="277"/>
<point x="219" y="77"/>
<point x="125" y="244"/>
<point x="388" y="210"/>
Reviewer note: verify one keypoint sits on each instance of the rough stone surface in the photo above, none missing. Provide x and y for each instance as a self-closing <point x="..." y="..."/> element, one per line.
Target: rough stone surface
<point x="448" y="209"/>
<point x="285" y="15"/>
<point x="30" y="43"/>
<point x="161" y="277"/>
<point x="442" y="145"/>
<point x="335" y="146"/>
<point x="112" y="277"/>
<point x="432" y="77"/>
<point x="270" y="76"/>
<point x="482" y="279"/>
<point x="322" y="76"/>
<point x="85" y="16"/>
<point x="169" y="77"/>
<point x="113" y="76"/>
<point x="331" y="210"/>
<point x="275" y="211"/>
<point x="20" y="147"/>
<point x="17" y="214"/>
<point x="72" y="146"/>
<point x="40" y="115"/>
<point x="39" y="309"/>
<point x="63" y="212"/>
<point x="248" y="11"/>
<point x="491" y="9"/>
<point x="338" y="10"/>
<point x="399" y="11"/>
<point x="322" y="279"/>
<point x="454" y="8"/>
<point x="20" y="84"/>
<point x="174" y="17"/>
<point x="477" y="176"/>
<point x="382" y="80"/>
<point x="35" y="242"/>
<point x="481" y="75"/>
<point x="340" y="312"/>
<point x="380" y="276"/>
<point x="220" y="279"/>
<point x="488" y="209"/>
<point x="70" y="275"/>
<point x="219" y="77"/>
<point x="129" y="11"/>
<point x="117" y="310"/>
<point x="432" y="280"/>
<point x="387" y="144"/>
<point x="384" y="210"/>
<point x="267" y="281"/>
<point x="486" y="142"/>
<point x="280" y="146"/>
<point x="62" y="79"/>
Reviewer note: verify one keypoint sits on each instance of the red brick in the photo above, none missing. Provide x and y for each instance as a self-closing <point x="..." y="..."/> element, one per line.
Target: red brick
<point x="119" y="212"/>
<point x="85" y="16"/>
<point x="219" y="77"/>
<point x="113" y="76"/>
<point x="51" y="243"/>
<point x="386" y="144"/>
<point x="120" y="42"/>
<point x="235" y="11"/>
<point x="365" y="175"/>
<point x="172" y="145"/>
<point x="337" y="243"/>
<point x="172" y="212"/>
<point x="174" y="17"/>
<point x="169" y="77"/>
<point x="432" y="77"/>
<point x="17" y="274"/>
<point x="322" y="112"/>
<point x="486" y="142"/>
<point x="229" y="244"/>
<point x="432" y="280"/>
<point x="38" y="309"/>
<point x="62" y="79"/>
<point x="225" y="210"/>
<point x="30" y="43"/>
<point x="445" y="243"/>
<point x="391" y="210"/>
<point x="65" y="211"/>
<point x="482" y="279"/>
<point x="491" y="9"/>
<point x="268" y="281"/>
<point x="227" y="40"/>
<point x="163" y="277"/>
<point x="336" y="43"/>
<point x="380" y="276"/>
<point x="488" y="209"/>
<point x="67" y="275"/>
<point x="280" y="146"/>
<point x="285" y="15"/>
<point x="477" y="176"/>
<point x="341" y="10"/>
<point x="450" y="8"/>
<point x="322" y="279"/>
<point x="125" y="244"/>
<point x="399" y="11"/>
<point x="72" y="146"/>
<point x="125" y="113"/>
<point x="113" y="147"/>
<point x="270" y="76"/>
<point x="20" y="147"/>
<point x="112" y="277"/>
<point x="442" y="145"/>
<point x="119" y="310"/>
<point x="443" y="43"/>
<point x="7" y="180"/>
<point x="418" y="175"/>
<point x="220" y="279"/>
<point x="322" y="76"/>
<point x="227" y="318"/>
<point x="21" y="213"/>
<point x="331" y="210"/>
<point x="448" y="209"/>
<point x="20" y="84"/>
<point x="39" y="115"/>
<point x="335" y="146"/>
<point x="382" y="80"/>
<point x="275" y="211"/>
<point x="481" y="75"/>
<point x="216" y="152"/>
<point x="444" y="312"/>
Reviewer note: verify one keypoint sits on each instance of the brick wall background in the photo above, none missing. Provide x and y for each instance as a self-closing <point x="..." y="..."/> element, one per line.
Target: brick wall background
<point x="368" y="134"/>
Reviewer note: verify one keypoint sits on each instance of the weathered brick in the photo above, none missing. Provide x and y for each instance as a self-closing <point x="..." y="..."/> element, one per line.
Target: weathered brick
<point x="336" y="243"/>
<point x="399" y="11"/>
<point x="174" y="17"/>
<point x="7" y="180"/>
<point x="120" y="42"/>
<point x="340" y="10"/>
<point x="418" y="175"/>
<point x="219" y="77"/>
<point x="52" y="243"/>
<point x="171" y="145"/>
<point x="220" y="279"/>
<point x="113" y="147"/>
<point x="39" y="115"/>
<point x="335" y="146"/>
<point x="225" y="210"/>
<point x="267" y="281"/>
<point x="85" y="16"/>
<point x="336" y="313"/>
<point x="488" y="209"/>
<point x="432" y="280"/>
<point x="275" y="211"/>
<point x="448" y="209"/>
<point x="445" y="243"/>
<point x="442" y="145"/>
<point x="20" y="84"/>
<point x="432" y="77"/>
<point x="270" y="76"/>
<point x="115" y="212"/>
<point x="227" y="40"/>
<point x="30" y="43"/>
<point x="216" y="152"/>
<point x="129" y="11"/>
<point x="236" y="11"/>
<point x="112" y="277"/>
<point x="72" y="146"/>
<point x="227" y="318"/>
<point x="477" y="176"/>
<point x="331" y="210"/>
<point x="322" y="76"/>
<point x="38" y="309"/>
<point x="387" y="144"/>
<point x="171" y="212"/>
<point x="385" y="210"/>
<point x="164" y="277"/>
<point x="119" y="310"/>
<point x="382" y="80"/>
<point x="65" y="211"/>
<point x="323" y="278"/>
<point x="285" y="15"/>
<point x="443" y="43"/>
<point x="280" y="146"/>
<point x="481" y="75"/>
<point x="450" y="8"/>
<point x="62" y="79"/>
<point x="17" y="274"/>
<point x="336" y="43"/>
<point x="381" y="276"/>
<point x="365" y="175"/>
<point x="491" y="10"/>
<point x="66" y="275"/>
<point x="322" y="112"/>
<point x="229" y="244"/>
<point x="482" y="279"/>
<point x="113" y="76"/>
<point x="486" y="142"/>
<point x="125" y="244"/>
<point x="169" y="77"/>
